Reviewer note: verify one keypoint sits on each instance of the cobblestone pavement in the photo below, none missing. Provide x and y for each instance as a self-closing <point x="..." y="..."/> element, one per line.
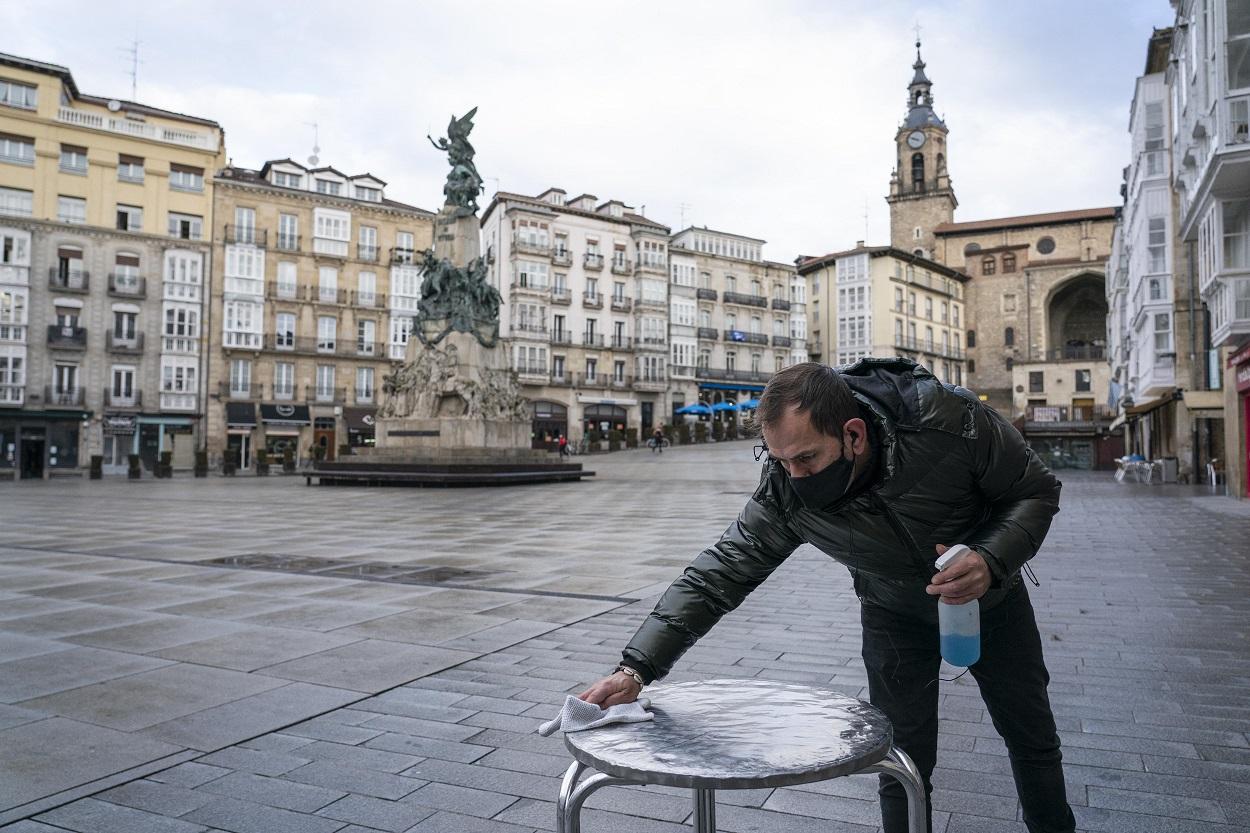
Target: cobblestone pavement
<point x="141" y="690"/>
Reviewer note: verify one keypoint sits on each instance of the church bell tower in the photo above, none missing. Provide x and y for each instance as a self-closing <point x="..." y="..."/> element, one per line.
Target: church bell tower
<point x="921" y="196"/>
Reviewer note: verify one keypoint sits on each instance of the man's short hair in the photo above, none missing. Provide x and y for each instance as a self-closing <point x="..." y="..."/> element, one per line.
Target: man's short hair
<point x="817" y="390"/>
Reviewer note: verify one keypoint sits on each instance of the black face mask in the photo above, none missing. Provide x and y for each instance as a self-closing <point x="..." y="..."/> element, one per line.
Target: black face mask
<point x="824" y="488"/>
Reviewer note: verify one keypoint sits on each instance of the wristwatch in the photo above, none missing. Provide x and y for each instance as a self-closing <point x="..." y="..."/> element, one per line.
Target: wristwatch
<point x="625" y="669"/>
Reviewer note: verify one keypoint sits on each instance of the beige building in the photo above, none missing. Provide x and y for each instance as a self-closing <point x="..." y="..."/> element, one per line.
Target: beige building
<point x="734" y="318"/>
<point x="104" y="211"/>
<point x="1036" y="310"/>
<point x="314" y="288"/>
<point x="584" y="312"/>
<point x="883" y="301"/>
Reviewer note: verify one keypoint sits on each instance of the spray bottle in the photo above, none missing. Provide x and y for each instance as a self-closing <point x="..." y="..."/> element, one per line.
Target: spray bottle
<point x="959" y="625"/>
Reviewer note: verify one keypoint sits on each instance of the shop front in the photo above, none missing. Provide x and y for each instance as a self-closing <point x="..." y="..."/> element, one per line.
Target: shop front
<point x="549" y="423"/>
<point x="361" y="426"/>
<point x="240" y="433"/>
<point x="158" y="434"/>
<point x="1239" y="364"/>
<point x="604" y="414"/>
<point x="120" y="432"/>
<point x="36" y="444"/>
<point x="283" y="425"/>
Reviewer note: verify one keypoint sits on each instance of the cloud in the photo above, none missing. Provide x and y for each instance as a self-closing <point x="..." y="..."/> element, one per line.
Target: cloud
<point x="771" y="119"/>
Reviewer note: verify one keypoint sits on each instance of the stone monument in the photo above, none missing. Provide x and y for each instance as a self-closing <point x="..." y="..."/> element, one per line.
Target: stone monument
<point x="455" y="403"/>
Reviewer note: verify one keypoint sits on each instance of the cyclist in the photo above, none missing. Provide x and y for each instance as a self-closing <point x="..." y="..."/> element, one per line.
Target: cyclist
<point x="657" y="441"/>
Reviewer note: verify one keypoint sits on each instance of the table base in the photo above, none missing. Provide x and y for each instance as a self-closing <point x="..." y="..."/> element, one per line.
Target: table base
<point x="574" y="792"/>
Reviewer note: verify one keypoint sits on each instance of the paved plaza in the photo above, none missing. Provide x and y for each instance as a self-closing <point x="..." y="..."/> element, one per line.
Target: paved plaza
<point x="378" y="659"/>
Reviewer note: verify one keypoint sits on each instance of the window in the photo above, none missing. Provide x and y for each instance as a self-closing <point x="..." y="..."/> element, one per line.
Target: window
<point x="288" y="232"/>
<point x="13" y="315"/>
<point x="592" y="369"/>
<point x="13" y="94"/>
<point x="911" y="298"/>
<point x="898" y="331"/>
<point x="288" y="180"/>
<point x="928" y="307"/>
<point x="327" y="332"/>
<point x="73" y="159"/>
<point x="325" y="383"/>
<point x="731" y="360"/>
<point x="988" y="265"/>
<point x="928" y="339"/>
<point x="367" y="244"/>
<point x="284" y="330"/>
<point x="917" y="171"/>
<point x="971" y="249"/>
<point x="65" y="379"/>
<point x="1009" y="336"/>
<point x="182" y="274"/>
<point x="240" y="378"/>
<point x="1046" y="245"/>
<point x="1163" y="333"/>
<point x="1156" y="289"/>
<point x="327" y="284"/>
<point x="364" y="384"/>
<point x="186" y="226"/>
<point x="898" y="299"/>
<point x="404" y="246"/>
<point x="366" y="289"/>
<point x="366" y="334"/>
<point x="125" y="325"/>
<point x="185" y="178"/>
<point x="1236" y="232"/>
<point x="955" y="317"/>
<point x="332" y="231"/>
<point x="286" y="283"/>
<point x="1009" y="262"/>
<point x="326" y="186"/>
<point x="17" y="202"/>
<point x="1238" y="45"/>
<point x="178" y="375"/>
<point x="1083" y="379"/>
<point x="401" y="327"/>
<point x="130" y="168"/>
<point x="242" y="324"/>
<point x="14" y="248"/>
<point x="129" y="218"/>
<point x="283" y="380"/>
<point x="911" y="333"/>
<point x="181" y="329"/>
<point x="1037" y="380"/>
<point x="18" y="150"/>
<point x="71" y="209"/>
<point x="1157" y="245"/>
<point x="122" y="391"/>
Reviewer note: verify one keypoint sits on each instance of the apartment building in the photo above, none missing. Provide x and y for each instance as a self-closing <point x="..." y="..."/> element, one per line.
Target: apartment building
<point x="104" y="207"/>
<point x="883" y="301"/>
<point x="1208" y="80"/>
<point x="314" y="289"/>
<point x="734" y="317"/>
<point x="584" y="313"/>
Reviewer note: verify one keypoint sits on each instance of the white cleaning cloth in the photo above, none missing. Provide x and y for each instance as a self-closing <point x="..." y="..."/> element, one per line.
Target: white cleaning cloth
<point x="576" y="715"/>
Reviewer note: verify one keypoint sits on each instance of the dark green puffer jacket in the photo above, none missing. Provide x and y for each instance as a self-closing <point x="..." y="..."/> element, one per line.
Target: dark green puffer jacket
<point x="951" y="471"/>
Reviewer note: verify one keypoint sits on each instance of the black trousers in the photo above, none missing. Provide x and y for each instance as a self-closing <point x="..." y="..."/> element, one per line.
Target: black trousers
<point x="902" y="658"/>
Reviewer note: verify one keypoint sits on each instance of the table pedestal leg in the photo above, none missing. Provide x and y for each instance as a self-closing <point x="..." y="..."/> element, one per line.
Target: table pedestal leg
<point x="897" y="763"/>
<point x="573" y="795"/>
<point x="705" y="811"/>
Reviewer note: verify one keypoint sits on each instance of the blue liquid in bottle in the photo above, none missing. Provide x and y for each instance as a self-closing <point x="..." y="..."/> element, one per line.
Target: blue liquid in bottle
<point x="961" y="650"/>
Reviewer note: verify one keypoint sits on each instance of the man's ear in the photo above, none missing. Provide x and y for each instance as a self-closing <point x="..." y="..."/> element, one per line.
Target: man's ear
<point x="858" y="432"/>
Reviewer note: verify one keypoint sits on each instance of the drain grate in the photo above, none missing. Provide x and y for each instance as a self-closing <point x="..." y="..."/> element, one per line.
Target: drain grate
<point x="433" y="575"/>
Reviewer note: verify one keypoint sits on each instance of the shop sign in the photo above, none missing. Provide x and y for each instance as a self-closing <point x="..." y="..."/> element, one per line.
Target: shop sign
<point x="120" y="424"/>
<point x="1243" y="378"/>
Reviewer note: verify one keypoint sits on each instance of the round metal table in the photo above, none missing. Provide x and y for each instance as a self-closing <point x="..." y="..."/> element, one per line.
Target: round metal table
<point x="737" y="735"/>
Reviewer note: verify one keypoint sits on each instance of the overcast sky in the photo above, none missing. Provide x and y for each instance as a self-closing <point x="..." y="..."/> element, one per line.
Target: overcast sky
<point x="772" y="118"/>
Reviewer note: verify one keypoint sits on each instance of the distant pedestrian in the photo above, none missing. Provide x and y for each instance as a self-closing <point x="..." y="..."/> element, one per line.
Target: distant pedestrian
<point x="657" y="441"/>
<point x="563" y="443"/>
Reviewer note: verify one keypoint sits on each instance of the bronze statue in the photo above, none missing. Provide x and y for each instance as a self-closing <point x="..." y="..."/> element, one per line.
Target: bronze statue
<point x="464" y="183"/>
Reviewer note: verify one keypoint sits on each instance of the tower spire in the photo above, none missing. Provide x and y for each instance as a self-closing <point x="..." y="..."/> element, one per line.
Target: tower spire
<point x="920" y="94"/>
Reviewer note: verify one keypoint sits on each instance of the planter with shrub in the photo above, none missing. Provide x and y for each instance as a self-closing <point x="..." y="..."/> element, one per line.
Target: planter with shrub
<point x="718" y="431"/>
<point x="288" y="460"/>
<point x="165" y="468"/>
<point x="700" y="432"/>
<point x="229" y="465"/>
<point x="614" y="441"/>
<point x="262" y="463"/>
<point x="201" y="464"/>
<point x="683" y="433"/>
<point x="135" y="469"/>
<point x="97" y="466"/>
<point x="631" y="437"/>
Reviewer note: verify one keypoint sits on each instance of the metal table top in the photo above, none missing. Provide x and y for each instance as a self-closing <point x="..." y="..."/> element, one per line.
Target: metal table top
<point x="739" y="734"/>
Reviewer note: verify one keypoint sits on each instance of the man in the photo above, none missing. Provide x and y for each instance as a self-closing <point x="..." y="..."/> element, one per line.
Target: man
<point x="883" y="468"/>
<point x="657" y="440"/>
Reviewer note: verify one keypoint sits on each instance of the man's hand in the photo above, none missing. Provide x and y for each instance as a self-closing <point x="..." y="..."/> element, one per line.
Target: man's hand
<point x="612" y="691"/>
<point x="964" y="579"/>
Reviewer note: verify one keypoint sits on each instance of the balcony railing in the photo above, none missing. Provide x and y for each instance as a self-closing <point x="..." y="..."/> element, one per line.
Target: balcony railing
<point x="131" y="401"/>
<point x="745" y="300"/>
<point x="67" y="338"/>
<point x="592" y="300"/>
<point x="781" y="341"/>
<point x="369" y="300"/>
<point x="732" y="375"/>
<point x="68" y="280"/>
<point x="71" y="397"/>
<point x="1063" y="413"/>
<point x="187" y="344"/>
<point x="561" y="337"/>
<point x="235" y="390"/>
<point x="651" y="382"/>
<point x="681" y="371"/>
<point x="127" y="286"/>
<point x="325" y="295"/>
<point x="287" y="242"/>
<point x="620" y="304"/>
<point x="592" y="380"/>
<point x="525" y="369"/>
<point x="316" y="393"/>
<point x="1075" y="353"/>
<point x="705" y="294"/>
<point x="651" y="342"/>
<point x="246" y="235"/>
<point x="528" y="246"/>
<point x="708" y="333"/>
<point x="561" y="295"/>
<point x="938" y="284"/>
<point x="177" y="401"/>
<point x="590" y="260"/>
<point x="743" y="337"/>
<point x="530" y="287"/>
<point x="620" y="382"/>
<point x="530" y="330"/>
<point x="620" y="267"/>
<point x="367" y="253"/>
<point x="592" y="339"/>
<point x="282" y="291"/>
<point x="117" y="344"/>
<point x="130" y="127"/>
<point x="288" y="343"/>
<point x="620" y="343"/>
<point x="561" y="379"/>
<point x="653" y="264"/>
<point x="562" y="257"/>
<point x="401" y="256"/>
<point x="781" y="304"/>
<point x="652" y="303"/>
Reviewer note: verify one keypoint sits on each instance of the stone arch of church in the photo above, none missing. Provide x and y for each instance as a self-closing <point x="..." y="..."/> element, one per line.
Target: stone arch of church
<point x="1076" y="313"/>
